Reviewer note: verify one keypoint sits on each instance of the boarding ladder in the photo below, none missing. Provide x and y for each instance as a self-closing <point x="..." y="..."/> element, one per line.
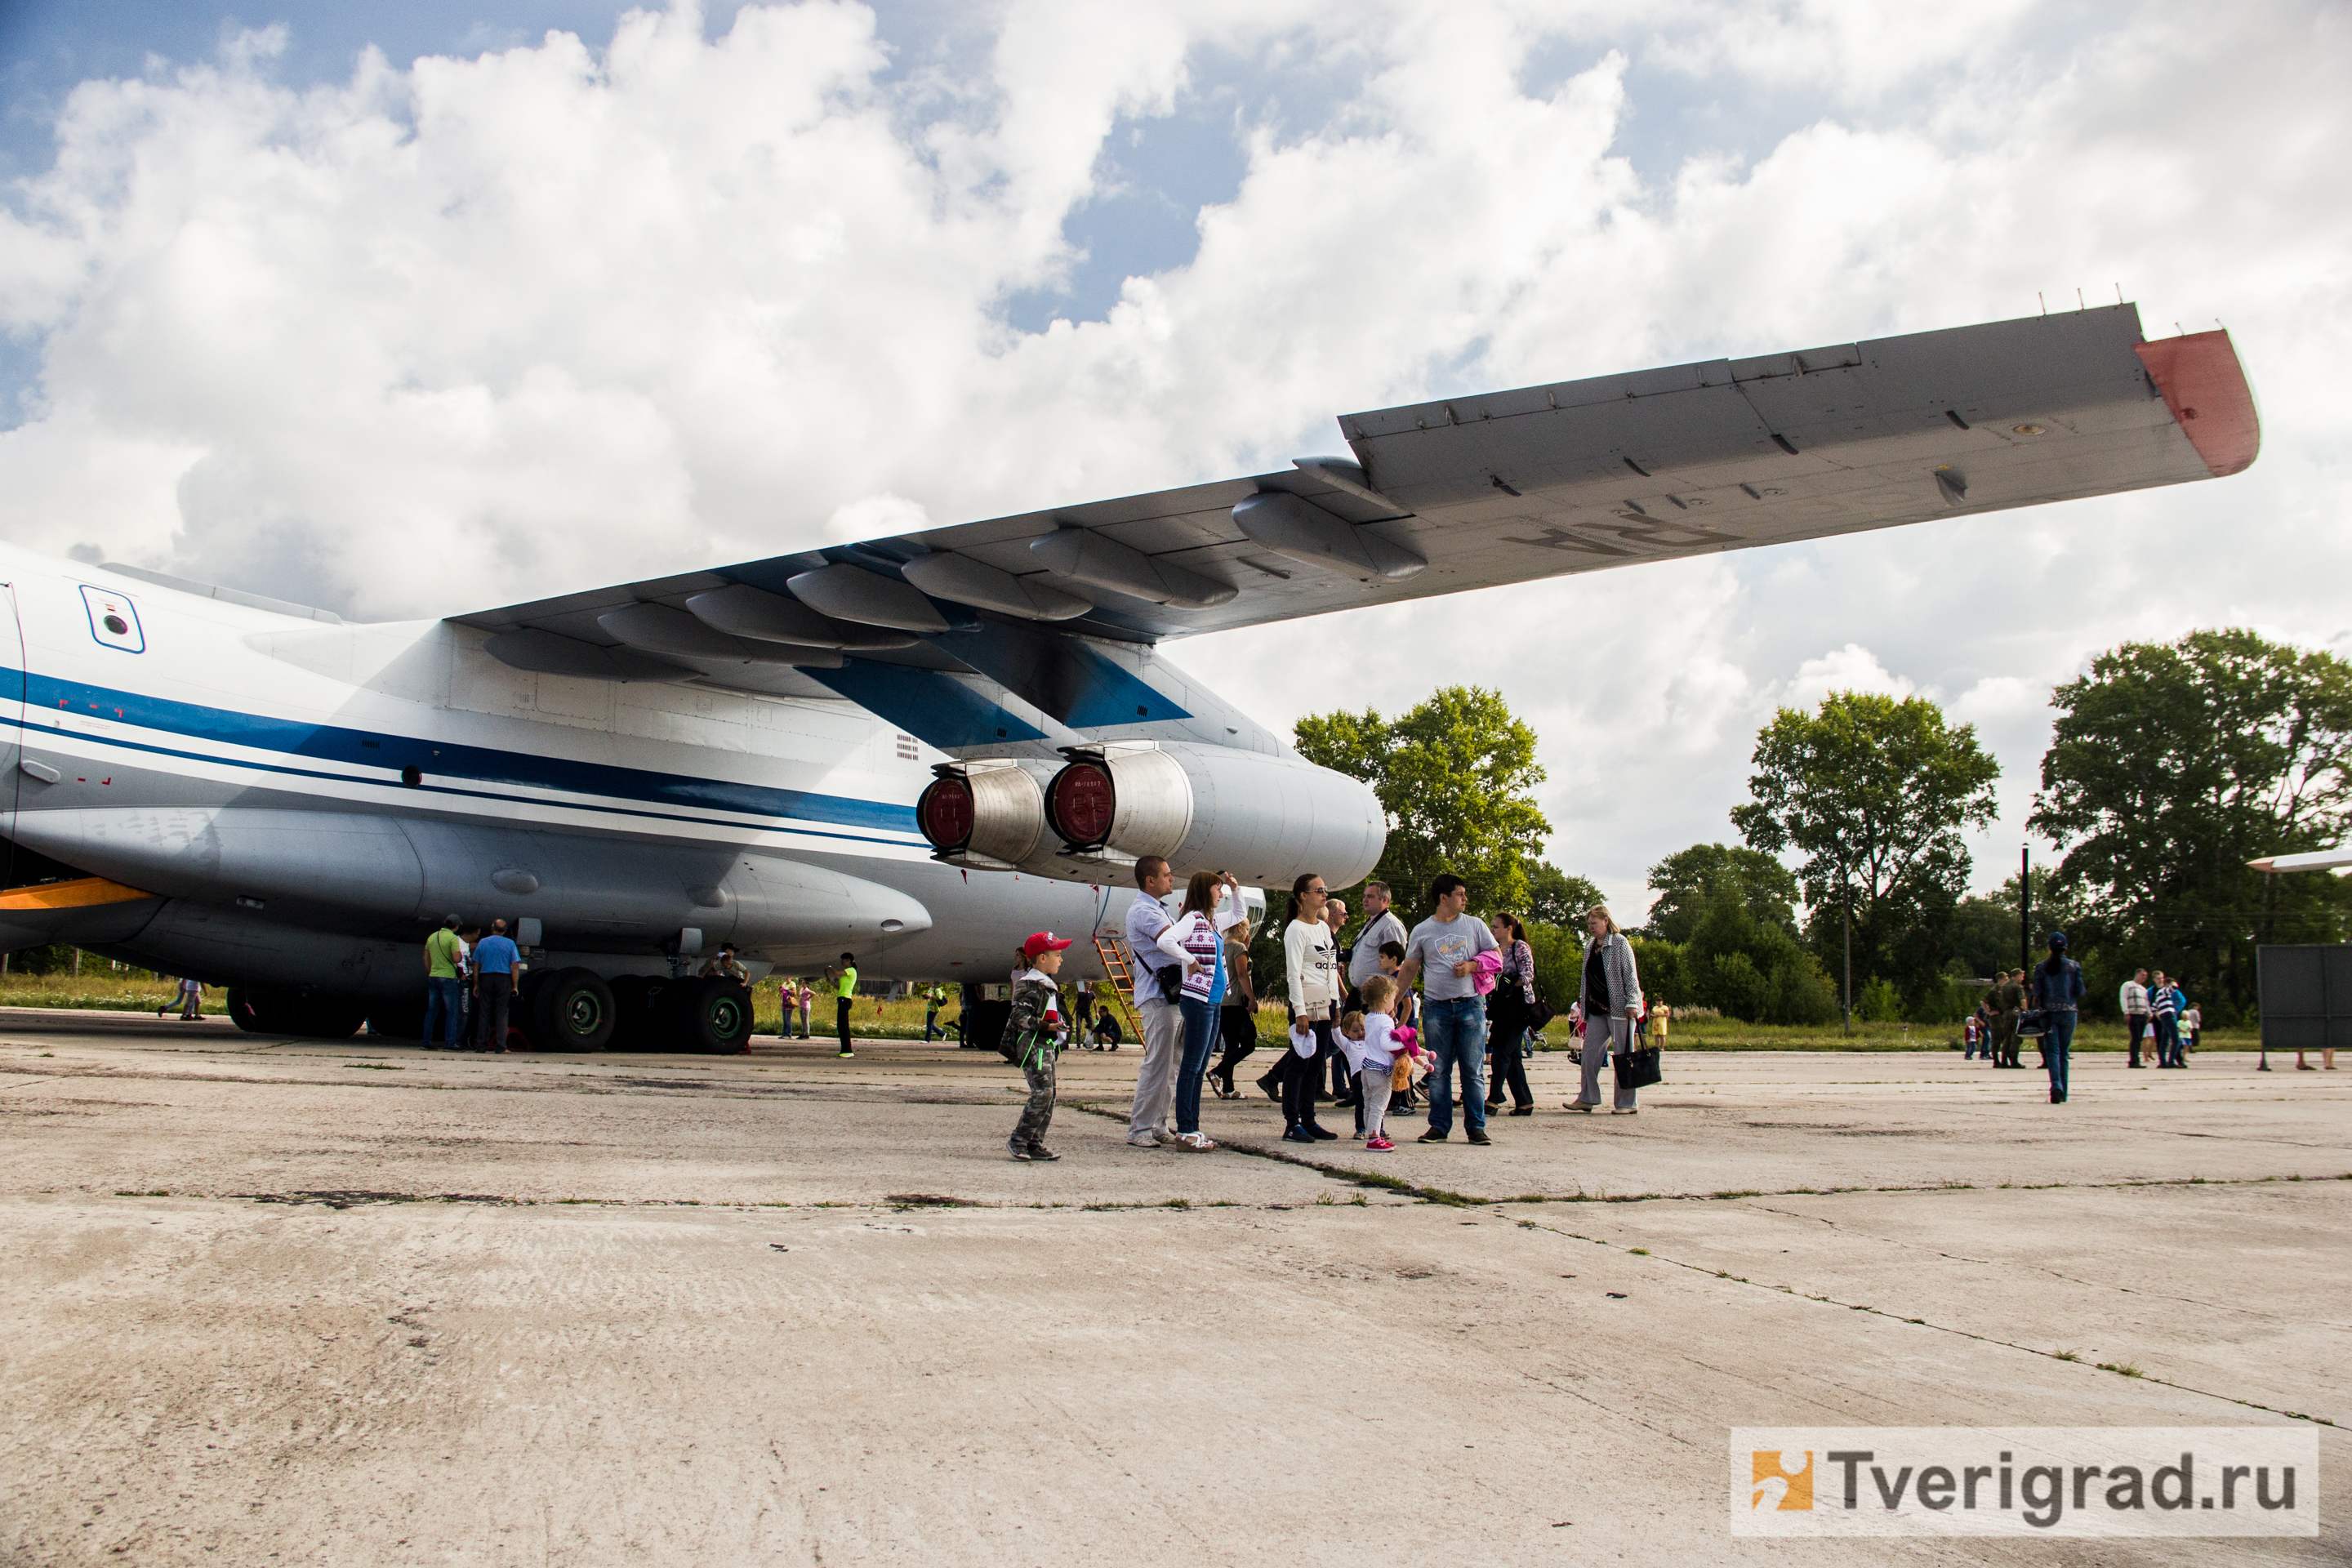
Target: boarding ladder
<point x="1113" y="954"/>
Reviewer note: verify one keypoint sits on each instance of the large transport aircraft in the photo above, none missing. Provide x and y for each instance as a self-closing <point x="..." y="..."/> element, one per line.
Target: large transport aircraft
<point x="922" y="748"/>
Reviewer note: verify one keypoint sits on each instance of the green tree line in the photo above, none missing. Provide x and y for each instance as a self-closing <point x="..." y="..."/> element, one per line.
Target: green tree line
<point x="2170" y="766"/>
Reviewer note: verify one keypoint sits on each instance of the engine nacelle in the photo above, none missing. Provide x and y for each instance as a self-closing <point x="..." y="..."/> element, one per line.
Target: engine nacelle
<point x="989" y="812"/>
<point x="1264" y="818"/>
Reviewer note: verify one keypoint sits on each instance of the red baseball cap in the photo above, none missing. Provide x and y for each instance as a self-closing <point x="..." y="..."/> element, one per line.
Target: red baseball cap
<point x="1042" y="941"/>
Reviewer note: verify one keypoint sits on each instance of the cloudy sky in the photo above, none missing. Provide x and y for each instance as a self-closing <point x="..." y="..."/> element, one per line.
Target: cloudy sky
<point x="496" y="299"/>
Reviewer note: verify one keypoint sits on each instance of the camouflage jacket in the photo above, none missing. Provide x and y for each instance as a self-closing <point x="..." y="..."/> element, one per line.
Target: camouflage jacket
<point x="1028" y="1031"/>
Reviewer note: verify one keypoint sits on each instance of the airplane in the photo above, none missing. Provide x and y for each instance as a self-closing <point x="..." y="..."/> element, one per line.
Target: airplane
<point x="919" y="748"/>
<point x="2317" y="860"/>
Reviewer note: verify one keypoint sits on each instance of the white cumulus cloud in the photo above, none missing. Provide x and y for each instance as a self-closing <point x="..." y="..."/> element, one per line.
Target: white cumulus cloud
<point x="452" y="333"/>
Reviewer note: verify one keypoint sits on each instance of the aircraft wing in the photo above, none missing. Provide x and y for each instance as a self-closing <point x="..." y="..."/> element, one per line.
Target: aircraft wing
<point x="1435" y="497"/>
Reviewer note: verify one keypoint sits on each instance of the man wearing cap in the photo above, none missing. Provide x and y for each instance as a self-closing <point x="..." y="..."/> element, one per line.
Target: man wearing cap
<point x="1033" y="1030"/>
<point x="443" y="952"/>
<point x="2058" y="988"/>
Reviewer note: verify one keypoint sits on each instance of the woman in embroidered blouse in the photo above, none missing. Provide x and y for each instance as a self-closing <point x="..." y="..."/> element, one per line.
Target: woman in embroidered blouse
<point x="1197" y="941"/>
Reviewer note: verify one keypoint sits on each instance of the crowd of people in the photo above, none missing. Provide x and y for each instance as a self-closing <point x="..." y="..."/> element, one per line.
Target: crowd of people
<point x="1398" y="1019"/>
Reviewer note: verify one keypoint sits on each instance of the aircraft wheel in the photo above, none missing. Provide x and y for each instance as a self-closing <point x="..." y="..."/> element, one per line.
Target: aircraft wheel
<point x="634" y="1027"/>
<point x="258" y="1012"/>
<point x="397" y="1020"/>
<point x="714" y="1017"/>
<point x="326" y="1017"/>
<point x="573" y="1010"/>
<point x="242" y="1012"/>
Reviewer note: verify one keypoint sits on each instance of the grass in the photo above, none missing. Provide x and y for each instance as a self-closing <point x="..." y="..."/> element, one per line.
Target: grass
<point x="2121" y="1369"/>
<point x="101" y="986"/>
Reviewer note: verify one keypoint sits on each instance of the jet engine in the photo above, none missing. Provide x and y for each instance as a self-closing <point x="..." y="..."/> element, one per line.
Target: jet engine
<point x="1264" y="818"/>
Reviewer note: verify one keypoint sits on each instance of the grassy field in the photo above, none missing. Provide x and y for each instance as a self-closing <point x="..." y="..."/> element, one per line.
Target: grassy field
<point x="109" y="990"/>
<point x="98" y="986"/>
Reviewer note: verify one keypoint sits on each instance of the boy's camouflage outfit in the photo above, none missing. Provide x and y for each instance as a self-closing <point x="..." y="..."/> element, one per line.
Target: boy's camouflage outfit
<point x="1034" y="1031"/>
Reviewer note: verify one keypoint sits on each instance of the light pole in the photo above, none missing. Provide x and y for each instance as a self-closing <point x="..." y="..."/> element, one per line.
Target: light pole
<point x="1847" y="902"/>
<point x="2024" y="906"/>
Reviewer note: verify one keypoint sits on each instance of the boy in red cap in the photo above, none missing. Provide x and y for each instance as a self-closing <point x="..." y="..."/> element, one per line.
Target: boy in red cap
<point x="1034" y="1029"/>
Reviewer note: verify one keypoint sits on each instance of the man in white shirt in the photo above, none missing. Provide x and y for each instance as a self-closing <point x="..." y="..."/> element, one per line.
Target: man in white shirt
<point x="2134" y="1000"/>
<point x="1381" y="925"/>
<point x="1164" y="1025"/>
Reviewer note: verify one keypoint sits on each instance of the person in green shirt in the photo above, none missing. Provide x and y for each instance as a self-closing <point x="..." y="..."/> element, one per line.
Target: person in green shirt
<point x="442" y="952"/>
<point x="845" y="980"/>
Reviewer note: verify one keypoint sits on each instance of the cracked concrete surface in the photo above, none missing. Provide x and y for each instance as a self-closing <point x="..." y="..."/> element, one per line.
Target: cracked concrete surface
<point x="288" y="1301"/>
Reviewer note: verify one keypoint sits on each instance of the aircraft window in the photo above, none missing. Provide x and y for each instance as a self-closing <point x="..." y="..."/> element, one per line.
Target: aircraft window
<point x="113" y="620"/>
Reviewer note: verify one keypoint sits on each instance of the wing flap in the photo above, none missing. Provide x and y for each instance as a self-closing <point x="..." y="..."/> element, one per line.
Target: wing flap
<point x="1506" y="487"/>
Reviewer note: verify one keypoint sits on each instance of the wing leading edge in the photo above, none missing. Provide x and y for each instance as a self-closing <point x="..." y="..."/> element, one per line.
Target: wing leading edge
<point x="1440" y="498"/>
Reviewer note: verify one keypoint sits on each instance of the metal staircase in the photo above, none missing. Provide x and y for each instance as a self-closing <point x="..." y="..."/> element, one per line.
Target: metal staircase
<point x="1113" y="953"/>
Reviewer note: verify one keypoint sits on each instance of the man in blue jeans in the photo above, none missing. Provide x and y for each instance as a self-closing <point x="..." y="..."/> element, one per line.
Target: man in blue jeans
<point x="443" y="956"/>
<point x="1443" y="951"/>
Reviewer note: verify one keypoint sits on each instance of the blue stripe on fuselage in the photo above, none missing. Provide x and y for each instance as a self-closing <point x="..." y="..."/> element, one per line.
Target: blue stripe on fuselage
<point x="450" y="761"/>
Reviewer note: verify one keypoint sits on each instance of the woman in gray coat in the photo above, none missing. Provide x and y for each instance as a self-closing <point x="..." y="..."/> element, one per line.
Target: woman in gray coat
<point x="1612" y="1002"/>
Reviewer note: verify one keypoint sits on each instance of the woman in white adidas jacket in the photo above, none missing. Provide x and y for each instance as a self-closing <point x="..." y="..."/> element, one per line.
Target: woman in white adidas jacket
<point x="1310" y="962"/>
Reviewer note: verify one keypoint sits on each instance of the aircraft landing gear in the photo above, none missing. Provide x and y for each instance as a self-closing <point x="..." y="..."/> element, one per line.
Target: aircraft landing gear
<point x="707" y="1017"/>
<point x="258" y="1012"/>
<point x="572" y="1010"/>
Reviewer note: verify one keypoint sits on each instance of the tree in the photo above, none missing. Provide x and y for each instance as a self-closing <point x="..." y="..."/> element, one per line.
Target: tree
<point x="2170" y="766"/>
<point x="1874" y="792"/>
<point x="1558" y="899"/>
<point x="1687" y="880"/>
<point x="1456" y="776"/>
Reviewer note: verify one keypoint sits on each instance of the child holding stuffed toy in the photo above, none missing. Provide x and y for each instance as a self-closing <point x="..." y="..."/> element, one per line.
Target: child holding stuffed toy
<point x="1376" y="1047"/>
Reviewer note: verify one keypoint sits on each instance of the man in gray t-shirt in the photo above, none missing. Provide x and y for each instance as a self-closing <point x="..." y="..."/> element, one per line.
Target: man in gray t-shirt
<point x="1453" y="1015"/>
<point x="1381" y="925"/>
<point x="1441" y="952"/>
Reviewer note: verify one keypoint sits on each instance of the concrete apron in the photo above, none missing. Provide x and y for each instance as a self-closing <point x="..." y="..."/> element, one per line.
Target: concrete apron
<point x="587" y="1344"/>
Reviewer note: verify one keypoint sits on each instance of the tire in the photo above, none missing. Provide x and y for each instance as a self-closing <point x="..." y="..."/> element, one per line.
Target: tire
<point x="260" y="1012"/>
<point x="397" y="1020"/>
<point x="241" y="1010"/>
<point x="572" y="1010"/>
<point x="326" y="1017"/>
<point x="634" y="1027"/>
<point x="712" y="1017"/>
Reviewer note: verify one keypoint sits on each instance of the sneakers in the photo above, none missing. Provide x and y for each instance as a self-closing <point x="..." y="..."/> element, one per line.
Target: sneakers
<point x="1432" y="1136"/>
<point x="1194" y="1143"/>
<point x="1296" y="1135"/>
<point x="1018" y="1151"/>
<point x="1378" y="1145"/>
<point x="1039" y="1151"/>
<point x="1319" y="1132"/>
<point x="1477" y="1135"/>
<point x="1141" y="1140"/>
<point x="845" y="1053"/>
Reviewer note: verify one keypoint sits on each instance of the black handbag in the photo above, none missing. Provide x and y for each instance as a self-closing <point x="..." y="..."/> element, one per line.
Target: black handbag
<point x="1640" y="1069"/>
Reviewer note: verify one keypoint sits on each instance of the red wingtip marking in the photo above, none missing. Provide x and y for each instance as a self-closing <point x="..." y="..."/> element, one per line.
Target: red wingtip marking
<point x="2206" y="389"/>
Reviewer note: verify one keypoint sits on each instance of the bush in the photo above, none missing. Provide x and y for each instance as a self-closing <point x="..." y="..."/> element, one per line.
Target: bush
<point x="1801" y="994"/>
<point x="1879" y="1002"/>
